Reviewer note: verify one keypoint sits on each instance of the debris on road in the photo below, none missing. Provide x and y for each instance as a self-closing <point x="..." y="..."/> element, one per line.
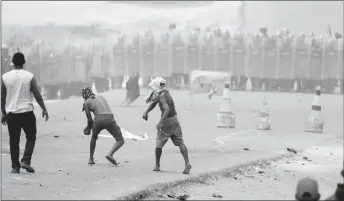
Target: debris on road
<point x="183" y="197"/>
<point x="246" y="149"/>
<point x="306" y="158"/>
<point x="261" y="172"/>
<point x="292" y="150"/>
<point x="171" y="195"/>
<point x="217" y="195"/>
<point x="56" y="136"/>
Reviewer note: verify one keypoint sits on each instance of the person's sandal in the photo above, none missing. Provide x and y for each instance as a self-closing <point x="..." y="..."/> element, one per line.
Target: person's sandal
<point x="111" y="160"/>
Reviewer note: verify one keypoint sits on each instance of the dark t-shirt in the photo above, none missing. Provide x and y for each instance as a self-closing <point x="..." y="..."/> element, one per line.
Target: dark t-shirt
<point x="166" y="98"/>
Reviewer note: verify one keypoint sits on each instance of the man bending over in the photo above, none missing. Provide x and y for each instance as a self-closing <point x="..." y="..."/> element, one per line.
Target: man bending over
<point x="168" y="126"/>
<point x="103" y="119"/>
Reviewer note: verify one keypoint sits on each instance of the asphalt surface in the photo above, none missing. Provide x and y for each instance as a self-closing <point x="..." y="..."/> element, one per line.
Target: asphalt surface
<point x="62" y="151"/>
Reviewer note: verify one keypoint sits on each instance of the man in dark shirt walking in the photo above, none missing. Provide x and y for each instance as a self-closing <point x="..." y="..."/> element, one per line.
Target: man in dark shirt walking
<point x="168" y="126"/>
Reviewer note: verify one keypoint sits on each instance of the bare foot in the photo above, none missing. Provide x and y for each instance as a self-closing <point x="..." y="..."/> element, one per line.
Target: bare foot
<point x="157" y="168"/>
<point x="187" y="169"/>
<point x="91" y="162"/>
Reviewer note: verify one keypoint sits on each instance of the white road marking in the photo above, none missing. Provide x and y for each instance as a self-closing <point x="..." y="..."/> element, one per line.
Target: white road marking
<point x="239" y="135"/>
<point x="128" y="135"/>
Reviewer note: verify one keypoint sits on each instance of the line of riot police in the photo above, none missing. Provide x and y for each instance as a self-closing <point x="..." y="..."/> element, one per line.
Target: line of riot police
<point x="281" y="62"/>
<point x="59" y="73"/>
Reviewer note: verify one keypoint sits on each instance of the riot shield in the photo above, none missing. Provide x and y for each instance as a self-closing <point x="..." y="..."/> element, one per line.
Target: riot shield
<point x="119" y="61"/>
<point x="301" y="64"/>
<point x="269" y="63"/>
<point x="239" y="57"/>
<point x="330" y="63"/>
<point x="147" y="68"/>
<point x="315" y="70"/>
<point x="133" y="60"/>
<point x="178" y="57"/>
<point x="255" y="62"/>
<point x="162" y="60"/>
<point x="207" y="57"/>
<point x="285" y="62"/>
<point x="223" y="58"/>
<point x="193" y="57"/>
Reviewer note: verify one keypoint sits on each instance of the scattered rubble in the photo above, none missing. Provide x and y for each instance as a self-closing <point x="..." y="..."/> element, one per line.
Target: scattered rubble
<point x="217" y="195"/>
<point x="292" y="150"/>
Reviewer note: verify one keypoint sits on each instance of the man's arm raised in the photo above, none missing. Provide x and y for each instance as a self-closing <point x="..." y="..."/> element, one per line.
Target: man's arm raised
<point x="38" y="97"/>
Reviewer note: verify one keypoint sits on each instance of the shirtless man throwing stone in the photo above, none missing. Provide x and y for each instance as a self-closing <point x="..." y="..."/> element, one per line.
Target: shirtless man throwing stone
<point x="168" y="126"/>
<point x="103" y="119"/>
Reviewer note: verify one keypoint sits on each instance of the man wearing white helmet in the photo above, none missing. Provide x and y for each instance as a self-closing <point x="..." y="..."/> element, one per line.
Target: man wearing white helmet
<point x="168" y="126"/>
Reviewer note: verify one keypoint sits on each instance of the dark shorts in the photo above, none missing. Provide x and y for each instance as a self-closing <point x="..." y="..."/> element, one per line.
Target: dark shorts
<point x="171" y="129"/>
<point x="106" y="121"/>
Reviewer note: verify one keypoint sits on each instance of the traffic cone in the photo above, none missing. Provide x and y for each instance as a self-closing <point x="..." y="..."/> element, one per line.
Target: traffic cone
<point x="182" y="83"/>
<point x="315" y="124"/>
<point x="226" y="117"/>
<point x="110" y="84"/>
<point x="44" y="93"/>
<point x="94" y="89"/>
<point x="295" y="87"/>
<point x="249" y="84"/>
<point x="140" y="82"/>
<point x="263" y="119"/>
<point x="263" y="86"/>
<point x="337" y="88"/>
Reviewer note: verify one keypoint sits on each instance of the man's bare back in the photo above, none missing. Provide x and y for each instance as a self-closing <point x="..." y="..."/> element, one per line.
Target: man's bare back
<point x="98" y="105"/>
<point x="103" y="119"/>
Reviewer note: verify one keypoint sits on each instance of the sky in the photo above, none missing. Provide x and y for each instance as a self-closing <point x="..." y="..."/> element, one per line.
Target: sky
<point x="88" y="12"/>
<point x="298" y="16"/>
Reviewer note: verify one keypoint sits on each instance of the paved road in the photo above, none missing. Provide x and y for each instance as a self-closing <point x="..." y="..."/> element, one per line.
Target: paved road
<point x="61" y="163"/>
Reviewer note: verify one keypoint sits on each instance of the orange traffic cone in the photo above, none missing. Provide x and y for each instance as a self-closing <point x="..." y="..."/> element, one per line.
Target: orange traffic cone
<point x="226" y="117"/>
<point x="263" y="119"/>
<point x="315" y="124"/>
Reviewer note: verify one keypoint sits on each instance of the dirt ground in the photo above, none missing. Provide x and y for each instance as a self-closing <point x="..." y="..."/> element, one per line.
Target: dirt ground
<point x="61" y="152"/>
<point x="275" y="182"/>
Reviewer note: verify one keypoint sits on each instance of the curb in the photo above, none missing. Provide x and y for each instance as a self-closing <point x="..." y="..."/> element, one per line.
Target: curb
<point x="202" y="178"/>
